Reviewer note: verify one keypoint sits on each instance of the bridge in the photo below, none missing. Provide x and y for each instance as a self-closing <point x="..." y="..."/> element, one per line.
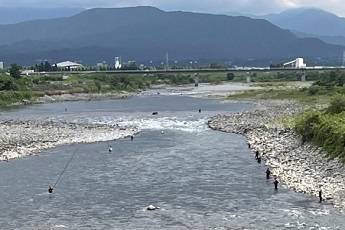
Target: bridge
<point x="247" y="70"/>
<point x="218" y="70"/>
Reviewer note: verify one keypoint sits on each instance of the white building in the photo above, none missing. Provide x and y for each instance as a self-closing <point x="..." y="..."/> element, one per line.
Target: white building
<point x="27" y="71"/>
<point x="1" y="65"/>
<point x="69" y="64"/>
<point x="297" y="63"/>
<point x="117" y="63"/>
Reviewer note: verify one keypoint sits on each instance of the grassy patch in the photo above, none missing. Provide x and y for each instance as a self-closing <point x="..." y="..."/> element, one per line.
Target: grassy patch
<point x="297" y="95"/>
<point x="270" y="84"/>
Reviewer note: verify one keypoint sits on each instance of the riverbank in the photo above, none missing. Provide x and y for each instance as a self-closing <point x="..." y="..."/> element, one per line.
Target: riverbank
<point x="23" y="138"/>
<point x="82" y="97"/>
<point x="298" y="166"/>
<point x="56" y="98"/>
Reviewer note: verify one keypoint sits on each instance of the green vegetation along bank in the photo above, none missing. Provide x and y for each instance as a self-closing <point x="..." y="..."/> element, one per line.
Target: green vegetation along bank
<point x="16" y="88"/>
<point x="322" y="121"/>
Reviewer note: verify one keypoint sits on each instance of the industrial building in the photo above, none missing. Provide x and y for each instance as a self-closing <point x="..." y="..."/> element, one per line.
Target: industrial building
<point x="297" y="63"/>
<point x="118" y="64"/>
<point x="69" y="65"/>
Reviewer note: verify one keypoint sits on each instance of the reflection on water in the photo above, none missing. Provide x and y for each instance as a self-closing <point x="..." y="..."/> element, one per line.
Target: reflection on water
<point x="200" y="178"/>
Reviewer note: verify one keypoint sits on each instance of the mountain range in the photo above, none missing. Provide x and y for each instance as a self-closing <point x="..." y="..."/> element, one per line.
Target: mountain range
<point x="309" y="22"/>
<point x="147" y="34"/>
<point x="16" y="15"/>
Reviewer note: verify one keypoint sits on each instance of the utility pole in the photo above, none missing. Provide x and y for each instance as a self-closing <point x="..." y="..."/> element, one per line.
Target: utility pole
<point x="167" y="60"/>
<point x="343" y="59"/>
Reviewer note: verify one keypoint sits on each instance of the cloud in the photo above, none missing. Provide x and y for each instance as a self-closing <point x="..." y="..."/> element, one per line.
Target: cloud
<point x="215" y="6"/>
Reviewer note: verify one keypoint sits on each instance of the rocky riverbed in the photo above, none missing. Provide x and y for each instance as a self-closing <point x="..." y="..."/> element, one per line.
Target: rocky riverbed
<point x="23" y="138"/>
<point x="301" y="167"/>
<point x="82" y="97"/>
<point x="74" y="97"/>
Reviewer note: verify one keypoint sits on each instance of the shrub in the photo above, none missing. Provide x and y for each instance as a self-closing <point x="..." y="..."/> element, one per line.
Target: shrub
<point x="314" y="89"/>
<point x="337" y="104"/>
<point x="307" y="124"/>
<point x="230" y="76"/>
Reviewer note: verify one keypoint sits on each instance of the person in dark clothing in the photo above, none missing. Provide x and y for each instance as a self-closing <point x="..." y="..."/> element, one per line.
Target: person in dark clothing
<point x="259" y="160"/>
<point x="276" y="182"/>
<point x="268" y="173"/>
<point x="132" y="137"/>
<point x="248" y="145"/>
<point x="199" y="110"/>
<point x="320" y="195"/>
<point x="50" y="190"/>
<point x="256" y="154"/>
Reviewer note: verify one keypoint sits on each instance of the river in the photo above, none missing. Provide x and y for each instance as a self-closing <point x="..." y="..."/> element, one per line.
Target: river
<point x="200" y="178"/>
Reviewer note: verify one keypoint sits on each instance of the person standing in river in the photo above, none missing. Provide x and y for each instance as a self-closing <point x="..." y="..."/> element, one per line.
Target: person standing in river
<point x="256" y="154"/>
<point x="268" y="173"/>
<point x="276" y="182"/>
<point x="320" y="195"/>
<point x="259" y="159"/>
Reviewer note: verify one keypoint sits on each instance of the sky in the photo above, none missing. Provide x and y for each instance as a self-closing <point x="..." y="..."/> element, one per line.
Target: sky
<point x="256" y="7"/>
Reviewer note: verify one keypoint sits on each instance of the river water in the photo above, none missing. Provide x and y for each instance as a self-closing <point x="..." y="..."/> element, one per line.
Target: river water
<point x="201" y="179"/>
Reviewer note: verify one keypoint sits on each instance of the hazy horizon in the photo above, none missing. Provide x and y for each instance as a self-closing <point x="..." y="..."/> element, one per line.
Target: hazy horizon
<point x="255" y="7"/>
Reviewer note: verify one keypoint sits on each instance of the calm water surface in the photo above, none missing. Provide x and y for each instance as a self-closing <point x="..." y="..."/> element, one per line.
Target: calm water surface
<point x="200" y="178"/>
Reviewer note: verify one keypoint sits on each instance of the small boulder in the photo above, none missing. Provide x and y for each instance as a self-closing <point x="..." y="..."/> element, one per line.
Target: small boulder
<point x="152" y="207"/>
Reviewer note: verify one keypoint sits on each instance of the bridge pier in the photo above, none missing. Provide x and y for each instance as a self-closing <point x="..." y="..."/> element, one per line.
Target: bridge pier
<point x="303" y="75"/>
<point x="249" y="77"/>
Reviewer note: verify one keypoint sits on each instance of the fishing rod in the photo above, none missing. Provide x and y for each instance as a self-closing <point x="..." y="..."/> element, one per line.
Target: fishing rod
<point x="63" y="171"/>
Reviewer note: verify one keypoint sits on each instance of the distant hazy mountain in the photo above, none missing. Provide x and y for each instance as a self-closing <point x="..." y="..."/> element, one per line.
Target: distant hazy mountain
<point x="310" y="21"/>
<point x="335" y="40"/>
<point x="16" y="15"/>
<point x="307" y="22"/>
<point x="147" y="33"/>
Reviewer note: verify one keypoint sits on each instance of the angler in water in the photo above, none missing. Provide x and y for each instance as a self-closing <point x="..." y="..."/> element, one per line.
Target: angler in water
<point x="268" y="173"/>
<point x="259" y="159"/>
<point x="256" y="154"/>
<point x="320" y="195"/>
<point x="276" y="182"/>
<point x="50" y="190"/>
<point x="110" y="149"/>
